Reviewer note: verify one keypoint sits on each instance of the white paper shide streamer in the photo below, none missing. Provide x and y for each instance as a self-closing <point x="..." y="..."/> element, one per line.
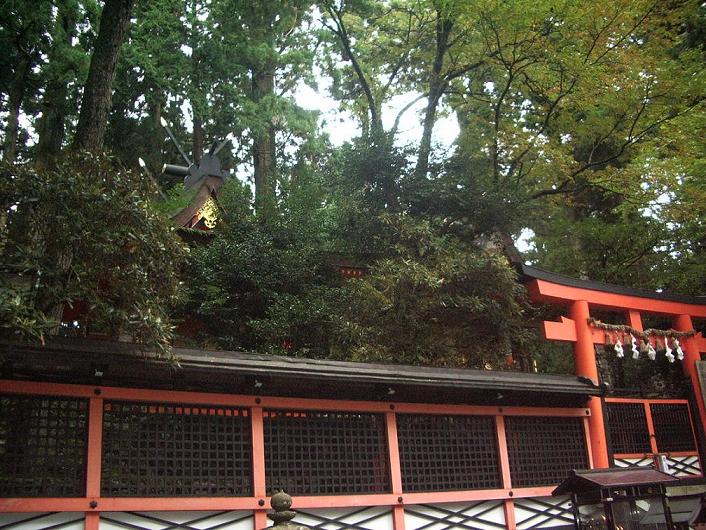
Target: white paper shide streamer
<point x="668" y="351"/>
<point x="635" y="349"/>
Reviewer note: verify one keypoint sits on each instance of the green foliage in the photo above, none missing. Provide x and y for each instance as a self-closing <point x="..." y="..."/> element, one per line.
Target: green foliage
<point x="85" y="232"/>
<point x="176" y="199"/>
<point x="434" y="301"/>
<point x="266" y="284"/>
<point x="429" y="297"/>
<point x="570" y="128"/>
<point x="622" y="248"/>
<point x="151" y="82"/>
<point x="18" y="318"/>
<point x="583" y="123"/>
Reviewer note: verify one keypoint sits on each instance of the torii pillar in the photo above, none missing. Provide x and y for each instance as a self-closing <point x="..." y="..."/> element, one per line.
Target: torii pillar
<point x="585" y="366"/>
<point x="544" y="286"/>
<point x="578" y="331"/>
<point x="692" y="346"/>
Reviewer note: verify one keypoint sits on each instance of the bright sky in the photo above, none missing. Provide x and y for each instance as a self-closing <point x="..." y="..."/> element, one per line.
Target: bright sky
<point x="341" y="126"/>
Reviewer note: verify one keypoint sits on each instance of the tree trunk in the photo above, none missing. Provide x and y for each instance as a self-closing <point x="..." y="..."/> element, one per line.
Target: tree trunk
<point x="157" y="138"/>
<point x="197" y="137"/>
<point x="436" y="90"/>
<point x="55" y="311"/>
<point x="15" y="96"/>
<point x="263" y="85"/>
<point x="422" y="167"/>
<point x="51" y="125"/>
<point x="376" y="130"/>
<point x="198" y="102"/>
<point x="574" y="215"/>
<point x="97" y="92"/>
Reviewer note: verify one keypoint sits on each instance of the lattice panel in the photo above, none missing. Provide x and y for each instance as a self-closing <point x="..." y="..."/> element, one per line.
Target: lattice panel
<point x="224" y="520"/>
<point x="627" y="425"/>
<point x="672" y="427"/>
<point x="152" y="449"/>
<point x="488" y="515"/>
<point x="42" y="521"/>
<point x="42" y="446"/>
<point x="362" y="518"/>
<point x="647" y="461"/>
<point x="684" y="466"/>
<point x="544" y="512"/>
<point x="315" y="453"/>
<point x="443" y="453"/>
<point x="543" y="451"/>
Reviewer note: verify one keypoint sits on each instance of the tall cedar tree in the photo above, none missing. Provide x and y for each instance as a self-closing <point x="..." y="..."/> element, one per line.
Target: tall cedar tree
<point x="61" y="68"/>
<point x="97" y="92"/>
<point x="23" y="41"/>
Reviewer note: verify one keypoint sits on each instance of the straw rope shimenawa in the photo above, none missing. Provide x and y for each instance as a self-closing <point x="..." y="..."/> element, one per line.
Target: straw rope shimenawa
<point x="646" y="334"/>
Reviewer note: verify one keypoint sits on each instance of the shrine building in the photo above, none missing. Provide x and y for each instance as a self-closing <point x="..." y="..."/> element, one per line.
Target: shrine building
<point x="97" y="435"/>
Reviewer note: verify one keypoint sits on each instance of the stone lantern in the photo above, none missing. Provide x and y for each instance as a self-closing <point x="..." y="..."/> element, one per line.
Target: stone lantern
<point x="281" y="503"/>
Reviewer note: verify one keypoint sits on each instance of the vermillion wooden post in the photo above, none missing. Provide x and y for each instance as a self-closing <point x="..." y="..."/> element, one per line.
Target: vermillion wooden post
<point x="395" y="470"/>
<point x="585" y="363"/>
<point x="93" y="461"/>
<point x="508" y="504"/>
<point x="691" y="356"/>
<point x="635" y="320"/>
<point x="258" y="458"/>
<point x="92" y="522"/>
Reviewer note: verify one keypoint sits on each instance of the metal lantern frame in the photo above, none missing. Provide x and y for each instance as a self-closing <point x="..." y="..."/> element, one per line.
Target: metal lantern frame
<point x="619" y="498"/>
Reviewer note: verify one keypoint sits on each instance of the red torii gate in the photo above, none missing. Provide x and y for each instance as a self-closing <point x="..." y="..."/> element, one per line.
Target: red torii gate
<point x="579" y="296"/>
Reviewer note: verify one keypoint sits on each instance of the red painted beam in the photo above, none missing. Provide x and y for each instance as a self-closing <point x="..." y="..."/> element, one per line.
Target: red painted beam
<point x="477" y="495"/>
<point x="393" y="449"/>
<point x="44" y="504"/>
<point x="587" y="438"/>
<point x="565" y="331"/>
<point x="657" y="401"/>
<point x="126" y="504"/>
<point x="544" y="291"/>
<point x="489" y="411"/>
<point x="650" y="427"/>
<point x="650" y="455"/>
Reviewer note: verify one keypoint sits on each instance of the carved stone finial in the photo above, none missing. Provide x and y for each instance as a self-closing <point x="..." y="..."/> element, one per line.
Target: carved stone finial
<point x="281" y="503"/>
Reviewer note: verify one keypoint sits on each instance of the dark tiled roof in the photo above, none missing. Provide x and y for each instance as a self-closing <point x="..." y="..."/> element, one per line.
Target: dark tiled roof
<point x="224" y="370"/>
<point x="585" y="480"/>
<point x="529" y="272"/>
